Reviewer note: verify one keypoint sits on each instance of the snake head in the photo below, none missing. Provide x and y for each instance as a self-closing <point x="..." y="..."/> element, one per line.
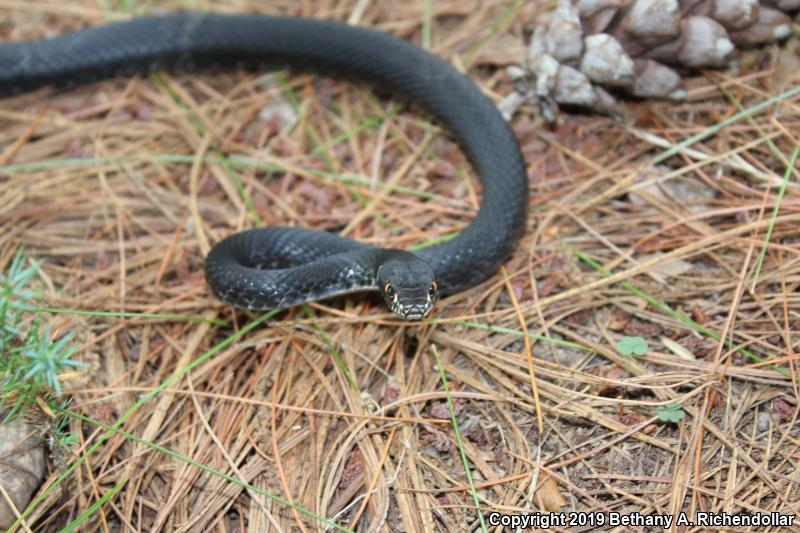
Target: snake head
<point x="408" y="285"/>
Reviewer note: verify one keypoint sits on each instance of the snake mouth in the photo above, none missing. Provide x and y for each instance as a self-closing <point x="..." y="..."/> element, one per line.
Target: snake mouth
<point x="413" y="311"/>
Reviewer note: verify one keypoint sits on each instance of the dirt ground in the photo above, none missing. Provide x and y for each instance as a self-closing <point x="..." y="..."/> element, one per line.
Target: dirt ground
<point x="520" y="395"/>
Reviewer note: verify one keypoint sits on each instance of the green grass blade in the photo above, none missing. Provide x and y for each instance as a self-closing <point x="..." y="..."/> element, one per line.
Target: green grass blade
<point x="175" y="376"/>
<point x="459" y="439"/>
<point x="774" y="217"/>
<point x="166" y="451"/>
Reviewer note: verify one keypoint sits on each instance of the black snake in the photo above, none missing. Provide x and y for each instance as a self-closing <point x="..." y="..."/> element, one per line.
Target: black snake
<point x="278" y="267"/>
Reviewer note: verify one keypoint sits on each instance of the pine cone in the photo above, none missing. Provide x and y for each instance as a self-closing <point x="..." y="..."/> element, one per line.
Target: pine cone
<point x="634" y="47"/>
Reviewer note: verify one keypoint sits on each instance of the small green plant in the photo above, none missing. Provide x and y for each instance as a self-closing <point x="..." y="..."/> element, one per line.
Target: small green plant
<point x="31" y="358"/>
<point x="43" y="358"/>
<point x="672" y="412"/>
<point x="628" y="346"/>
<point x="60" y="434"/>
<point x="13" y="297"/>
<point x="60" y="441"/>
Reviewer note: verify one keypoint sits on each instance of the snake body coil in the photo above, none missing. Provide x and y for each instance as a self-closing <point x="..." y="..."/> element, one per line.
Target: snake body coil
<point x="279" y="267"/>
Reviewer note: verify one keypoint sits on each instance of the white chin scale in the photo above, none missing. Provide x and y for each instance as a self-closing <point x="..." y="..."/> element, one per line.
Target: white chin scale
<point x="412" y="311"/>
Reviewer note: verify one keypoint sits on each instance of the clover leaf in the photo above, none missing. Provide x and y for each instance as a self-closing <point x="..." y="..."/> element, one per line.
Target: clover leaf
<point x="672" y="412"/>
<point x="632" y="345"/>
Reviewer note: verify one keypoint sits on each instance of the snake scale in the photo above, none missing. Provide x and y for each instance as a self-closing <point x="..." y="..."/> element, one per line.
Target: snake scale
<point x="277" y="267"/>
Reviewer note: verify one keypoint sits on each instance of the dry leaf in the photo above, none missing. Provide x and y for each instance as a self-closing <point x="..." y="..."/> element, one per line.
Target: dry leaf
<point x="547" y="494"/>
<point x="670" y="267"/>
<point x="677" y="349"/>
<point x="503" y="50"/>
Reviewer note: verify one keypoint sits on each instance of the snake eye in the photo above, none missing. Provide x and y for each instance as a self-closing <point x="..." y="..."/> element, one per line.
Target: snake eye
<point x="432" y="290"/>
<point x="389" y="290"/>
